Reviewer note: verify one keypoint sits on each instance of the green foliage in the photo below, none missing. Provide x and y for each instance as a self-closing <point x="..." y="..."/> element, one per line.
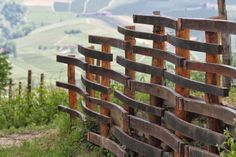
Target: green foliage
<point x="228" y="148"/>
<point x="232" y="96"/>
<point x="37" y="109"/>
<point x="4" y="72"/>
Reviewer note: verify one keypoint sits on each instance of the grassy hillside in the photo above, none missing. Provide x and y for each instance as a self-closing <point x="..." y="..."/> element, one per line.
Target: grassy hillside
<point x="52" y="26"/>
<point x="30" y="57"/>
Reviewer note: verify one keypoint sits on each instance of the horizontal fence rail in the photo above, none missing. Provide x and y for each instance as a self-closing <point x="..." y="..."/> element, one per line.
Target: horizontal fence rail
<point x="157" y="127"/>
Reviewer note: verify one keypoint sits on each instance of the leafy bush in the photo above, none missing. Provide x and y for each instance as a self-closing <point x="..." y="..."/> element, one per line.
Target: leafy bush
<point x="228" y="148"/>
<point x="37" y="109"/>
<point x="4" y="72"/>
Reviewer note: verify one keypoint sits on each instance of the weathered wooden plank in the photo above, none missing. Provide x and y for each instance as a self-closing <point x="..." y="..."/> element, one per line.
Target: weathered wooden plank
<point x="75" y="88"/>
<point x="211" y="110"/>
<point x="72" y="112"/>
<point x="197" y="152"/>
<point x="168" y="56"/>
<point x="195" y="85"/>
<point x="72" y="60"/>
<point x="156" y="90"/>
<point x="195" y="45"/>
<point x="211" y="25"/>
<point x="192" y="131"/>
<point x="95" y="115"/>
<point x="108" y="105"/>
<point x="158" y="132"/>
<point x="135" y="145"/>
<point x="139" y="66"/>
<point x="221" y="69"/>
<point x="139" y="105"/>
<point x="117" y="43"/>
<point x="107" y="144"/>
<point x="95" y="86"/>
<point x="142" y="35"/>
<point x="88" y="52"/>
<point x="155" y="20"/>
<point x="114" y="75"/>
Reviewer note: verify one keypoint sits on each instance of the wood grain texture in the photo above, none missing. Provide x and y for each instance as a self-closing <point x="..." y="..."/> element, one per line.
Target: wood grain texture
<point x="140" y="67"/>
<point x="214" y="79"/>
<point x="155" y="20"/>
<point x="135" y="145"/>
<point x="95" y="115"/>
<point x="141" y="35"/>
<point x="211" y="25"/>
<point x="195" y="85"/>
<point x="195" y="45"/>
<point x="104" y="128"/>
<point x="113" y="42"/>
<point x="197" y="152"/>
<point x="197" y="133"/>
<point x="72" y="60"/>
<point x="112" y="74"/>
<point x="72" y="112"/>
<point x="211" y="110"/>
<point x="89" y="52"/>
<point x="95" y="86"/>
<point x="155" y="79"/>
<point x="158" y="132"/>
<point x="156" y="90"/>
<point x="221" y="69"/>
<point x="72" y="87"/>
<point x="130" y="55"/>
<point x="88" y="82"/>
<point x="139" y="105"/>
<point x="162" y="54"/>
<point x="107" y="144"/>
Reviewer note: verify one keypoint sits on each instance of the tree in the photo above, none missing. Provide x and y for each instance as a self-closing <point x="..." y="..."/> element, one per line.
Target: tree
<point x="13" y="13"/>
<point x="5" y="71"/>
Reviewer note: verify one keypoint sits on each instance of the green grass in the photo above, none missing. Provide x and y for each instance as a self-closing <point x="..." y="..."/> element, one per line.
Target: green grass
<point x="46" y="16"/>
<point x="66" y="142"/>
<point x="40" y="61"/>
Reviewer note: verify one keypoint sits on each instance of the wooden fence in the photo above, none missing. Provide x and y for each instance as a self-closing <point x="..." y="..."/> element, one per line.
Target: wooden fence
<point x="11" y="86"/>
<point x="168" y="126"/>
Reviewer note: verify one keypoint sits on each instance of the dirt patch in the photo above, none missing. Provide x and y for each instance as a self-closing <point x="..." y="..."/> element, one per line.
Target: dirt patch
<point x="7" y="141"/>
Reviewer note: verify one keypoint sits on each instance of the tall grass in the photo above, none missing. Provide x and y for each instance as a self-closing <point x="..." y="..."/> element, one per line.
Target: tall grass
<point x="38" y="108"/>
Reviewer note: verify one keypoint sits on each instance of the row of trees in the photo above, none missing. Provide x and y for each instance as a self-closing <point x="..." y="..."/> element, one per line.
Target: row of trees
<point x="12" y="25"/>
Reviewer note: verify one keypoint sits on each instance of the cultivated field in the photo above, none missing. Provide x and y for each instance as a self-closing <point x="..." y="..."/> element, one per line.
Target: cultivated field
<point x="53" y="24"/>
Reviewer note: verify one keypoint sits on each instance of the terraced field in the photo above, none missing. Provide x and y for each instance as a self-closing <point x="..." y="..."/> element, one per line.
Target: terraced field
<point x="52" y="24"/>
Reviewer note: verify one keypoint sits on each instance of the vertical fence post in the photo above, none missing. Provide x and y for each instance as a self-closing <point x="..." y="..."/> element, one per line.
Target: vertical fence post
<point x="131" y="73"/>
<point x="104" y="128"/>
<point x="29" y="82"/>
<point x="97" y="76"/>
<point x="156" y="62"/>
<point x="71" y="80"/>
<point x="20" y="89"/>
<point x="184" y="34"/>
<point x="226" y="41"/>
<point x="41" y="86"/>
<point x="90" y="77"/>
<point x="214" y="79"/>
<point x="10" y="89"/>
<point x="42" y="81"/>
